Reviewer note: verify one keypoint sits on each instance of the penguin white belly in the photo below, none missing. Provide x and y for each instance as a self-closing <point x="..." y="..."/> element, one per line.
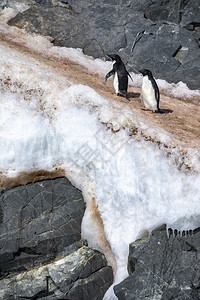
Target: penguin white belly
<point x="116" y="83"/>
<point x="148" y="94"/>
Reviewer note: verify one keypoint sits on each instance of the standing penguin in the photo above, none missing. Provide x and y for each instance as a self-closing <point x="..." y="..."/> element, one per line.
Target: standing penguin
<point x="150" y="93"/>
<point x="120" y="73"/>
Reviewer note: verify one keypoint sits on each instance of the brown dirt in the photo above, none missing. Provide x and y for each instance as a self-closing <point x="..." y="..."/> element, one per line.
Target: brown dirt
<point x="25" y="177"/>
<point x="182" y="121"/>
<point x="181" y="118"/>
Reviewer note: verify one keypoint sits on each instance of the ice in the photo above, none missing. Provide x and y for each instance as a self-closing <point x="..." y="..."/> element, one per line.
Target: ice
<point x="46" y="121"/>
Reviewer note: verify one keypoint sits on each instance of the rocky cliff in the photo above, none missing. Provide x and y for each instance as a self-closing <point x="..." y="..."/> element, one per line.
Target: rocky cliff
<point x="163" y="268"/>
<point x="42" y="255"/>
<point x="163" y="36"/>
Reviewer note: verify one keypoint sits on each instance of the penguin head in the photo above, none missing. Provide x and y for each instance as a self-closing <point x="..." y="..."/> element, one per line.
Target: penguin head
<point x="145" y="72"/>
<point x="115" y="57"/>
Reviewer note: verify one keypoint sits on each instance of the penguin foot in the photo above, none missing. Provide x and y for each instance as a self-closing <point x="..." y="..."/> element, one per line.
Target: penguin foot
<point x="123" y="94"/>
<point x="127" y="97"/>
<point x="164" y="111"/>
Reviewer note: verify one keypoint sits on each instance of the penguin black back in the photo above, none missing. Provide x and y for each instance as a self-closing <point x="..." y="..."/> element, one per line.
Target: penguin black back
<point x="121" y="75"/>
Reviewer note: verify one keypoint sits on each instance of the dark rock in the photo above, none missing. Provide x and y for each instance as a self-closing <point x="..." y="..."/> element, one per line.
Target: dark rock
<point x="163" y="268"/>
<point x="82" y="274"/>
<point x="39" y="221"/>
<point x="88" y="288"/>
<point x="190" y="18"/>
<point x="169" y="28"/>
<point x="158" y="10"/>
<point x="41" y="226"/>
<point x="174" y="52"/>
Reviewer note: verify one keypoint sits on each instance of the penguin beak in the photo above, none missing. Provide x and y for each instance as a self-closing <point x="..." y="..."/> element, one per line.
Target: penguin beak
<point x="141" y="71"/>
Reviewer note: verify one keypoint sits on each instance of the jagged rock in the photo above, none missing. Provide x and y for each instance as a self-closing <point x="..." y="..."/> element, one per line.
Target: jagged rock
<point x="191" y="16"/>
<point x="38" y="221"/>
<point x="82" y="274"/>
<point x="164" y="43"/>
<point x="163" y="268"/>
<point x="158" y="10"/>
<point x="93" y="287"/>
<point x="40" y="240"/>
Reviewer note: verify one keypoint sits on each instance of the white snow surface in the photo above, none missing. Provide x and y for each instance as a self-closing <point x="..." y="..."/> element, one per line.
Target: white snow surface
<point x="48" y="122"/>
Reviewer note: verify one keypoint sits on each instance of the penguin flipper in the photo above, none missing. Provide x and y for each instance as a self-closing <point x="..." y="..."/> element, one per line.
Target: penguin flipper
<point x="129" y="75"/>
<point x="111" y="73"/>
<point x="157" y="94"/>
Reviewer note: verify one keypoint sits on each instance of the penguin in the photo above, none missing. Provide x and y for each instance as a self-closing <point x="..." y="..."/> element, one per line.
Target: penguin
<point x="120" y="73"/>
<point x="150" y="94"/>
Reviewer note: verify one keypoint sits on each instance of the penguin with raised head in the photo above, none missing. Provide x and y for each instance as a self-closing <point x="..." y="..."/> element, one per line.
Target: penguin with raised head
<point x="120" y="73"/>
<point x="150" y="94"/>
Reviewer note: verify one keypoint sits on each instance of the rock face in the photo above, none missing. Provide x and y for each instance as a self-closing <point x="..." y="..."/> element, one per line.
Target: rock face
<point x="41" y="222"/>
<point x="168" y="43"/>
<point x="38" y="221"/>
<point x="163" y="268"/>
<point x="83" y="274"/>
